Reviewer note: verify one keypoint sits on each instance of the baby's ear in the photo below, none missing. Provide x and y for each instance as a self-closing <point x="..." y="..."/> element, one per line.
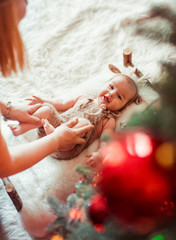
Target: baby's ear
<point x="138" y="100"/>
<point x="114" y="69"/>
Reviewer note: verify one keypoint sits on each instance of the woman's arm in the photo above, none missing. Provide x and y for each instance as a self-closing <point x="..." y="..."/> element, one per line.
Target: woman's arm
<point x="21" y="113"/>
<point x="19" y="158"/>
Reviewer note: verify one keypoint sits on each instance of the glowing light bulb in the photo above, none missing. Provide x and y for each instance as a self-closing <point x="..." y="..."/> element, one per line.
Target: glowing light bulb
<point x="165" y="155"/>
<point x="139" y="145"/>
<point x="158" y="237"/>
<point x="114" y="154"/>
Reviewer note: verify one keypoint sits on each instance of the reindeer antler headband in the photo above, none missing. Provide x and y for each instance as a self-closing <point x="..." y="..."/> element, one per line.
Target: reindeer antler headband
<point x="127" y="61"/>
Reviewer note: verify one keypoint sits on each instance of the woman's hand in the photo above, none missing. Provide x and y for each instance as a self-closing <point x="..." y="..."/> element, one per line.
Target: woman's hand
<point x="68" y="136"/>
<point x="35" y="100"/>
<point x="23" y="113"/>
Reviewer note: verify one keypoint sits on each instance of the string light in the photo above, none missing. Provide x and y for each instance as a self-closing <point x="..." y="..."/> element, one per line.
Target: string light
<point x="165" y="155"/>
<point x="116" y="154"/>
<point x="158" y="237"/>
<point x="57" y="237"/>
<point x="139" y="145"/>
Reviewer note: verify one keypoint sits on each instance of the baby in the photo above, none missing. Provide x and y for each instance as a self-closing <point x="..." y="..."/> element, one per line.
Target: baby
<point x="101" y="112"/>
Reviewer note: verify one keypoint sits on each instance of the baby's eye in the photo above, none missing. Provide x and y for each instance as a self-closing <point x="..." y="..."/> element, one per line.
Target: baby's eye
<point x="111" y="86"/>
<point x="119" y="97"/>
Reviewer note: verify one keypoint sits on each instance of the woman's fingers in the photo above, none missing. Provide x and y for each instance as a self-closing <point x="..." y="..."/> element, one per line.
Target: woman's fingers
<point x="31" y="101"/>
<point x="34" y="100"/>
<point x="37" y="99"/>
<point x="28" y="99"/>
<point x="69" y="136"/>
<point x="80" y="141"/>
<point x="72" y="123"/>
<point x="84" y="129"/>
<point x="34" y="108"/>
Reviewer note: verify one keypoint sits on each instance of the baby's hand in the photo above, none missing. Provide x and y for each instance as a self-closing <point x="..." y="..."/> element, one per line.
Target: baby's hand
<point x="94" y="159"/>
<point x="34" y="100"/>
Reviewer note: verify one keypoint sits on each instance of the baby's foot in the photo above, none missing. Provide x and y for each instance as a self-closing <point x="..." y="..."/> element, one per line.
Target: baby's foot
<point x="47" y="126"/>
<point x="16" y="129"/>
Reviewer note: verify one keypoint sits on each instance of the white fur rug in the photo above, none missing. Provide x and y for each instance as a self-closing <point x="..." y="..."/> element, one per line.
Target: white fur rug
<point x="69" y="46"/>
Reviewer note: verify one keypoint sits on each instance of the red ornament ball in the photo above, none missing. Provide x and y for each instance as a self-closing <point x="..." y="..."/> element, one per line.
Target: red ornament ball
<point x="135" y="183"/>
<point x="98" y="209"/>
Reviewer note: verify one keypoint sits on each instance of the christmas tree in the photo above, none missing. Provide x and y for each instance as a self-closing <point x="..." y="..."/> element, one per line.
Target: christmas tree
<point x="134" y="197"/>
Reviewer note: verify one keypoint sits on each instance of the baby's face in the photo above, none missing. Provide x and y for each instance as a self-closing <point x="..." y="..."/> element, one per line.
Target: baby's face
<point x="117" y="92"/>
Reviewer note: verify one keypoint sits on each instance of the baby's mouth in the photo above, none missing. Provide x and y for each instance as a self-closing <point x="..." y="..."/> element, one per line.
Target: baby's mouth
<point x="106" y="99"/>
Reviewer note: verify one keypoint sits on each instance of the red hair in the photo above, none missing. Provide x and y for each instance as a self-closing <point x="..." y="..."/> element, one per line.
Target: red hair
<point x="11" y="44"/>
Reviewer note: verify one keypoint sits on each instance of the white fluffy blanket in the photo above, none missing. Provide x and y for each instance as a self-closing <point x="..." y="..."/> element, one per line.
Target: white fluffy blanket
<point x="69" y="46"/>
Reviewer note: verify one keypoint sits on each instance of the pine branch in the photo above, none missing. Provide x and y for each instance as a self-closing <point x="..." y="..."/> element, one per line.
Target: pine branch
<point x="164" y="33"/>
<point x="58" y="208"/>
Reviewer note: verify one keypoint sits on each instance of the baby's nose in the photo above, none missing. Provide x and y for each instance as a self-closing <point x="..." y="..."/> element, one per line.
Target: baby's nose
<point x="111" y="94"/>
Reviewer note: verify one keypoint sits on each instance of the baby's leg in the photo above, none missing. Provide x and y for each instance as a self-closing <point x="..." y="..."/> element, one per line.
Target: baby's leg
<point x="54" y="120"/>
<point x="21" y="128"/>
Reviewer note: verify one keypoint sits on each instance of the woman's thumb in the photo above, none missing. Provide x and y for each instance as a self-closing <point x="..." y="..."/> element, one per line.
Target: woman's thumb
<point x="72" y="123"/>
<point x="34" y="108"/>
